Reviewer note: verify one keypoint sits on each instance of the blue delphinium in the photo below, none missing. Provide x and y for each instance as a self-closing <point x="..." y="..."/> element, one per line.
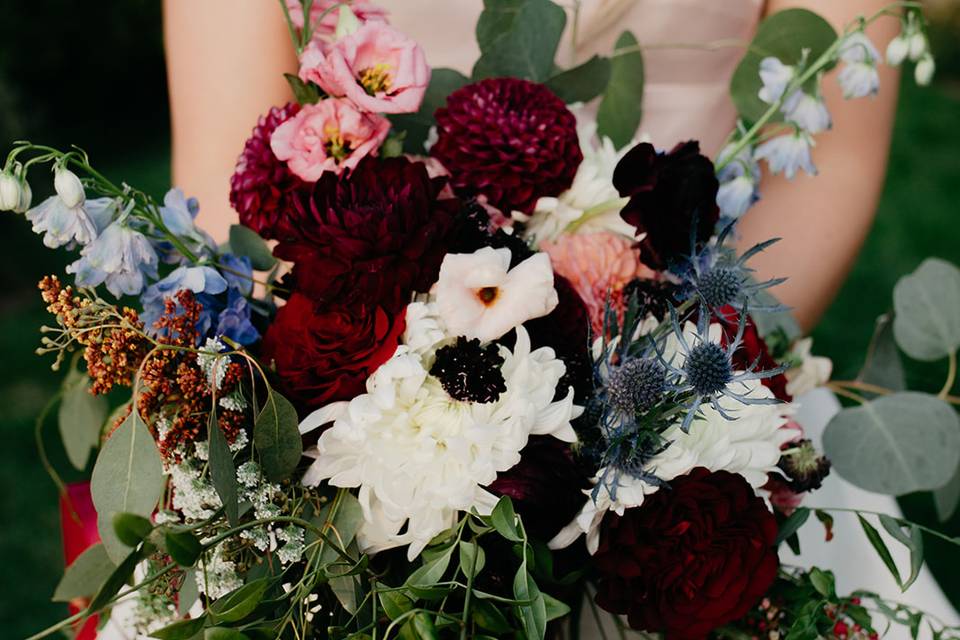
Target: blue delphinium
<point x="62" y="225"/>
<point x="199" y="280"/>
<point x="178" y="214"/>
<point x="788" y="153"/>
<point x="739" y="183"/>
<point x="120" y="257"/>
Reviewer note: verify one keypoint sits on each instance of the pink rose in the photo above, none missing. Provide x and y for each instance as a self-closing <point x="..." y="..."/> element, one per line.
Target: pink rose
<point x="378" y="68"/>
<point x="324" y="18"/>
<point x="331" y="135"/>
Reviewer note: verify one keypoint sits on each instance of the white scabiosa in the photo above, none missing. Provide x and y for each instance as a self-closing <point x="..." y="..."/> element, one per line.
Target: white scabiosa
<point x="419" y="456"/>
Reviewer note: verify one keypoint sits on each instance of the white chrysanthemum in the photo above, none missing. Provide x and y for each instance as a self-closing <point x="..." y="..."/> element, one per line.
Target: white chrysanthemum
<point x="419" y="456"/>
<point x="592" y="191"/>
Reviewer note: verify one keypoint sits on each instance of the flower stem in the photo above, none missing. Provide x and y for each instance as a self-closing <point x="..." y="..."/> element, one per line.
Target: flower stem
<point x="951" y="377"/>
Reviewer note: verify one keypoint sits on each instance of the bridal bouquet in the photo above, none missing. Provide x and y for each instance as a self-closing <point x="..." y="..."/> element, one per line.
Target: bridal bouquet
<point x="499" y="374"/>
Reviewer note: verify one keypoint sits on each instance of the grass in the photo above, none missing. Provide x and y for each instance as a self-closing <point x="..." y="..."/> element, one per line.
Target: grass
<point x="918" y="218"/>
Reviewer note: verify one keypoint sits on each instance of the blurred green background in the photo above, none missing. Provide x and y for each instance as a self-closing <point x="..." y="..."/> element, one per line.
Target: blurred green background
<point x="93" y="74"/>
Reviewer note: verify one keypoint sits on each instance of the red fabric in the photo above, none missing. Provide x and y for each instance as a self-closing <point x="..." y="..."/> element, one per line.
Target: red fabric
<point x="78" y="523"/>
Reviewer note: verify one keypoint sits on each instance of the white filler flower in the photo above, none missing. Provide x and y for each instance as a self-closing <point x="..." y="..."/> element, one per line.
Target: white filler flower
<point x="418" y="456"/>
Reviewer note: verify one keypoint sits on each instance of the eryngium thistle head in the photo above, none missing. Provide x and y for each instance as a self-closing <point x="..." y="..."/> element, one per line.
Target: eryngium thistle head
<point x="636" y="385"/>
<point x="720" y="286"/>
<point x="708" y="368"/>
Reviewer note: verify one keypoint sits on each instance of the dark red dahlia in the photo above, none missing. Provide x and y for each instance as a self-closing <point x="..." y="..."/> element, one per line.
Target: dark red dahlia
<point x="372" y="235"/>
<point x="694" y="557"/>
<point x="262" y="189"/>
<point x="507" y="139"/>
<point x="325" y="353"/>
<point x="753" y="351"/>
<point x="670" y="194"/>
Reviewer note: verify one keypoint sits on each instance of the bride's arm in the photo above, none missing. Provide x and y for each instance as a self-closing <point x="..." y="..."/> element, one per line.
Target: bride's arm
<point x="225" y="62"/>
<point x="824" y="220"/>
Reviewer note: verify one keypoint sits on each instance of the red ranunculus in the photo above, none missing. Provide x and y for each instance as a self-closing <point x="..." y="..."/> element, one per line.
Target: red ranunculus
<point x="510" y="140"/>
<point x="325" y="353"/>
<point x="371" y="236"/>
<point x="694" y="557"/>
<point x="670" y="194"/>
<point x="753" y="351"/>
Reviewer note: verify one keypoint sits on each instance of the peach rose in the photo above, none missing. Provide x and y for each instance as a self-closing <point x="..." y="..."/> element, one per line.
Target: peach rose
<point x="331" y="135"/>
<point x="377" y="68"/>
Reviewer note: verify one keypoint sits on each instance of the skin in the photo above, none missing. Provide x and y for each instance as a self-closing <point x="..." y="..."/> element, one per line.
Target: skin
<point x="823" y="221"/>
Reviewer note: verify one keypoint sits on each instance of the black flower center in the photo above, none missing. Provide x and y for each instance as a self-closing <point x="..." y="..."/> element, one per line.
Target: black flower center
<point x="636" y="385"/>
<point x="488" y="295"/>
<point x="708" y="368"/>
<point x="470" y="372"/>
<point x="720" y="287"/>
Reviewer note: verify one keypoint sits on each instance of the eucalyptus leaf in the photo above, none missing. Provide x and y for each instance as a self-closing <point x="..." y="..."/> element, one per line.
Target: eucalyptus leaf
<point x="946" y="498"/>
<point x="895" y="444"/>
<point x="127" y="477"/>
<point x="927" y="304"/>
<point x="783" y="35"/>
<point x="583" y="82"/>
<point x="518" y="38"/>
<point x="417" y="125"/>
<point x="84" y="575"/>
<point x="130" y="528"/>
<point x="183" y="547"/>
<point x="621" y="108"/>
<point x="882" y="365"/>
<point x="533" y="616"/>
<point x="188" y="594"/>
<point x="244" y="241"/>
<point x="223" y="471"/>
<point x="345" y="589"/>
<point x="277" y="438"/>
<point x="80" y="418"/>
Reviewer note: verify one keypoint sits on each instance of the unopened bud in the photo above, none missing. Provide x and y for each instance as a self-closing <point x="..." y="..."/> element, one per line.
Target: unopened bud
<point x="68" y="187"/>
<point x="923" y="72"/>
<point x="26" y="197"/>
<point x="347" y="22"/>
<point x="918" y="46"/>
<point x="9" y="192"/>
<point x="897" y="51"/>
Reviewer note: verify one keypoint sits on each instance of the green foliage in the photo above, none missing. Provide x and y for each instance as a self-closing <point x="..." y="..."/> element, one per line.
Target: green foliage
<point x="927" y="304"/>
<point x="518" y="38"/>
<point x="181" y="630"/>
<point x="223" y="471"/>
<point x="277" y="438"/>
<point x="87" y="572"/>
<point x="115" y="581"/>
<point x="131" y="529"/>
<point x="784" y="35"/>
<point x="244" y="241"/>
<point x="895" y="444"/>
<point x="620" y="110"/>
<point x="80" y="418"/>
<point x="504" y="520"/>
<point x="240" y="602"/>
<point x="583" y="82"/>
<point x="416" y="126"/>
<point x="303" y="92"/>
<point x="183" y="547"/>
<point x="882" y="365"/>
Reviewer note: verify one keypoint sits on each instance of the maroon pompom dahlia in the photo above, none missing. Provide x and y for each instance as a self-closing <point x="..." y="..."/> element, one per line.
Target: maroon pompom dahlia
<point x="510" y="140"/>
<point x="696" y="555"/>
<point x="262" y="188"/>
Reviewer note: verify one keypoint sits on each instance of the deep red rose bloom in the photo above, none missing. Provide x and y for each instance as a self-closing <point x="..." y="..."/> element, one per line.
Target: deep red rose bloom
<point x="262" y="188"/>
<point x="510" y="140"/>
<point x="753" y="351"/>
<point x="695" y="556"/>
<point x="669" y="193"/>
<point x="325" y="353"/>
<point x="372" y="235"/>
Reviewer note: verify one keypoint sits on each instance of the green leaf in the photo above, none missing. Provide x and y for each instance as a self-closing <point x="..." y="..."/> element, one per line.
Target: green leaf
<point x="583" y="82"/>
<point x="912" y="539"/>
<point x="223" y="471"/>
<point x="783" y="35"/>
<point x="223" y="633"/>
<point x="533" y="616"/>
<point x="504" y="520"/>
<point x="895" y="444"/>
<point x="80" y="418"/>
<point x="183" y="547"/>
<point x="417" y="125"/>
<point x="130" y="528"/>
<point x="792" y="524"/>
<point x="555" y="608"/>
<point x="181" y="630"/>
<point x="621" y="108"/>
<point x="340" y="520"/>
<point x="947" y="497"/>
<point x="127" y="477"/>
<point x="345" y="589"/>
<point x="880" y="547"/>
<point x="120" y="576"/>
<point x="927" y="304"/>
<point x="239" y="603"/>
<point x="518" y="38"/>
<point x="277" y="438"/>
<point x="303" y="92"/>
<point x="87" y="572"/>
<point x="472" y="558"/>
<point x="394" y="603"/>
<point x="423" y="626"/>
<point x="431" y="572"/>
<point x="882" y="365"/>
<point x="823" y="582"/>
<point x="487" y="616"/>
<point x="188" y="594"/>
<point x="244" y="241"/>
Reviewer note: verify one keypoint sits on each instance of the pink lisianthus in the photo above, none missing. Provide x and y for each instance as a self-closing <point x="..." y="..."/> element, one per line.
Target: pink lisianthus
<point x="324" y="17"/>
<point x="331" y="135"/>
<point x="377" y="68"/>
<point x="599" y="266"/>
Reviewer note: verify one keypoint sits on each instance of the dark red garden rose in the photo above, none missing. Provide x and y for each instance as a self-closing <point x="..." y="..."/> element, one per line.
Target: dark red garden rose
<point x="695" y="556"/>
<point x="262" y="188"/>
<point x="507" y="139"/>
<point x="753" y="351"/>
<point x="372" y="235"/>
<point x="670" y="193"/>
<point x="325" y="353"/>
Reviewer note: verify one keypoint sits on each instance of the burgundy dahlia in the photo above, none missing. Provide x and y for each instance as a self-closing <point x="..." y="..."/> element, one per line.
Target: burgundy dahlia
<point x="262" y="188"/>
<point x="670" y="194"/>
<point x="507" y="139"/>
<point x="694" y="557"/>
<point x="372" y="235"/>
